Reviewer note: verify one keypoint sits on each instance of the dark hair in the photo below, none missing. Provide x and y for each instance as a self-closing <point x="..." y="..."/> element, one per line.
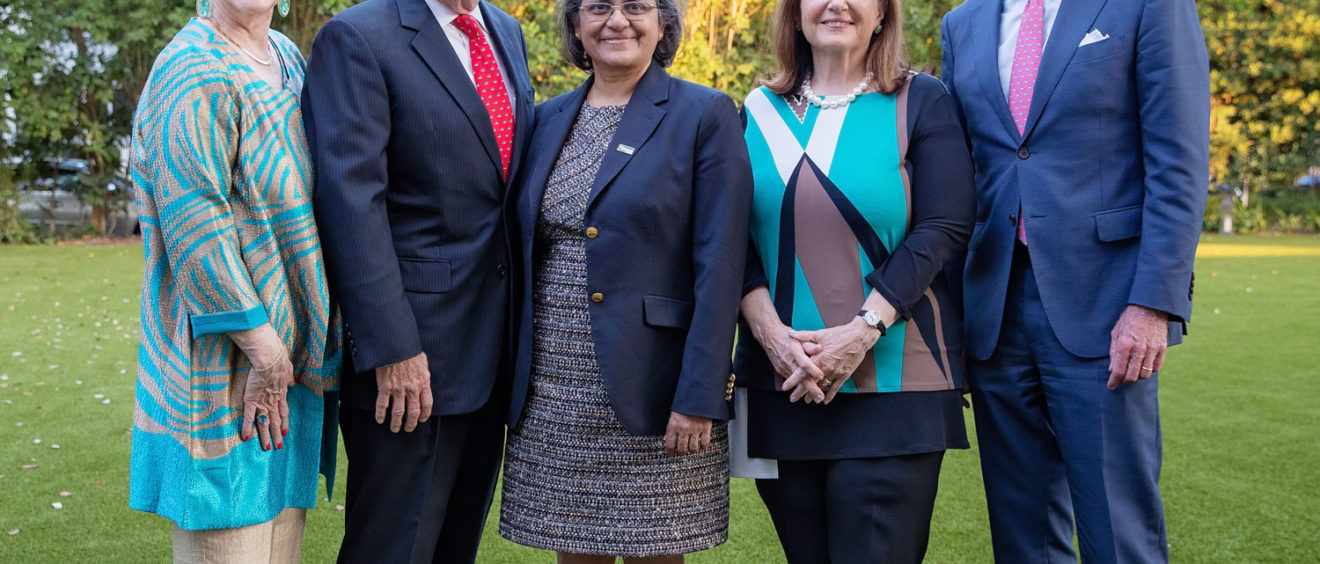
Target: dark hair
<point x="884" y="56"/>
<point x="671" y="32"/>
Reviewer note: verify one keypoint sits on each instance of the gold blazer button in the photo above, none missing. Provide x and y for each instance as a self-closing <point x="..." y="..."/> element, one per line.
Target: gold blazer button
<point x="598" y="297"/>
<point x="592" y="232"/>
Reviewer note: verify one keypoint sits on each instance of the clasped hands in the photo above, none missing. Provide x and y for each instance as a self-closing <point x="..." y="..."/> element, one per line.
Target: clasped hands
<point x="815" y="364"/>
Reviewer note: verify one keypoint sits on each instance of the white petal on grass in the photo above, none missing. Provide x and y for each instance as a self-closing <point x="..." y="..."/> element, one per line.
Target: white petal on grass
<point x="13" y="533"/>
<point x="57" y="505"/>
<point x="36" y="441"/>
<point x="66" y="494"/>
<point x="55" y="447"/>
<point x="18" y="353"/>
<point x="106" y="401"/>
<point x="30" y="466"/>
<point x="98" y="396"/>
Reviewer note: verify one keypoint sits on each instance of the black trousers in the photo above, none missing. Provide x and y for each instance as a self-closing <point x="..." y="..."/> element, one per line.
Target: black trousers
<point x="419" y="497"/>
<point x="872" y="510"/>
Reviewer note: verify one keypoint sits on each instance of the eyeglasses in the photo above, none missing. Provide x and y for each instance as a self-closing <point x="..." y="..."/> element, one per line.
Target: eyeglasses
<point x="603" y="10"/>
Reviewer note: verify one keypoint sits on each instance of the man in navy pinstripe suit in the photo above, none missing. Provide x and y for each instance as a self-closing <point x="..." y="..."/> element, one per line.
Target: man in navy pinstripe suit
<point x="417" y="113"/>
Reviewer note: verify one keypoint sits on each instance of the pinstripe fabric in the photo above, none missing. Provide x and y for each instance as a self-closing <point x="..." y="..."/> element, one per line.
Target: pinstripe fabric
<point x="224" y="182"/>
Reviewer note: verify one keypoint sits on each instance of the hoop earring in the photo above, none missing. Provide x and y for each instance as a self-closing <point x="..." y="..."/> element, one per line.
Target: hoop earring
<point x="203" y="8"/>
<point x="284" y="8"/>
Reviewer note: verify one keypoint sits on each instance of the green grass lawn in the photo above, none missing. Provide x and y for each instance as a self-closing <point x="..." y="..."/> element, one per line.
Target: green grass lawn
<point x="1241" y="413"/>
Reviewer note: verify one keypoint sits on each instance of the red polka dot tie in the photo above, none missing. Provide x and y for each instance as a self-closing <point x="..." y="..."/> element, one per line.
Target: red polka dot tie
<point x="1026" y="65"/>
<point x="490" y="86"/>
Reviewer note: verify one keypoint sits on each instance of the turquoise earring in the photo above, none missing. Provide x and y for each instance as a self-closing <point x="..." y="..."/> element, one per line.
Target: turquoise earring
<point x="284" y="8"/>
<point x="203" y="8"/>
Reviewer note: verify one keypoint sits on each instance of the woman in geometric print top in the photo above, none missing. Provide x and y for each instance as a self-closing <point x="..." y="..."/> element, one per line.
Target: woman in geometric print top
<point x="239" y="338"/>
<point x="850" y="342"/>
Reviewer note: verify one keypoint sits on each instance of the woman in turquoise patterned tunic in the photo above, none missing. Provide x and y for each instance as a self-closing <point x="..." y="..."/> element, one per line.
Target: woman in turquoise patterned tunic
<point x="239" y="338"/>
<point x="853" y="373"/>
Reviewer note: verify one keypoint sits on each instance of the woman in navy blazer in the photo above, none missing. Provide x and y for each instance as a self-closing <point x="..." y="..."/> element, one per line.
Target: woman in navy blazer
<point x="633" y="210"/>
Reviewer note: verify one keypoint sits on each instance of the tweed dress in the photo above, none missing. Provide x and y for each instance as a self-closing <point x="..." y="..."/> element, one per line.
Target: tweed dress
<point x="574" y="479"/>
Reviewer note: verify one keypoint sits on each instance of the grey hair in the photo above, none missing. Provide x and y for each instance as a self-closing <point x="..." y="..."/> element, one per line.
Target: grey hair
<point x="671" y="30"/>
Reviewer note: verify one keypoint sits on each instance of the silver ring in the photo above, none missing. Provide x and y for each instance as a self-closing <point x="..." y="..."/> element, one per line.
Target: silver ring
<point x="262" y="419"/>
<point x="1147" y="369"/>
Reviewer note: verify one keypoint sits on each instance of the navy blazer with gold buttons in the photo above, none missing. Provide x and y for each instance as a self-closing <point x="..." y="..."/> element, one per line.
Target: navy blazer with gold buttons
<point x="666" y="240"/>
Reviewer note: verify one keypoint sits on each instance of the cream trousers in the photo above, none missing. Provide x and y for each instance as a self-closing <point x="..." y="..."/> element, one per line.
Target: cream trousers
<point x="278" y="541"/>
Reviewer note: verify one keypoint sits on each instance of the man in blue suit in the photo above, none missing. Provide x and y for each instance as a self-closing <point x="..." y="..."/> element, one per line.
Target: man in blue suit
<point x="417" y="114"/>
<point x="1089" y="127"/>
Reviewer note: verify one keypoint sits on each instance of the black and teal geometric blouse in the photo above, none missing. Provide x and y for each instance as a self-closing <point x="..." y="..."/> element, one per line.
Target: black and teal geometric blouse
<point x="877" y="194"/>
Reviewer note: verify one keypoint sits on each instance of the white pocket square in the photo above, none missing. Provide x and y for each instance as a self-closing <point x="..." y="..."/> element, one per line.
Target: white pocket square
<point x="1093" y="37"/>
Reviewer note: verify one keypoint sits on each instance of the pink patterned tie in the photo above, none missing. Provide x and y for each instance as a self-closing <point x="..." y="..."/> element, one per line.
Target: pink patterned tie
<point x="1026" y="64"/>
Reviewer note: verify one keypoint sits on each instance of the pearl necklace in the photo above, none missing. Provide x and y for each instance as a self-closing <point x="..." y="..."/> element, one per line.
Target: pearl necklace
<point x="831" y="102"/>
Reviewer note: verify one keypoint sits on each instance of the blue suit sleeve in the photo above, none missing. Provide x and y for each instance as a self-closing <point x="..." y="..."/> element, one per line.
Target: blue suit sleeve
<point x="1173" y="93"/>
<point x="721" y="206"/>
<point x="346" y="109"/>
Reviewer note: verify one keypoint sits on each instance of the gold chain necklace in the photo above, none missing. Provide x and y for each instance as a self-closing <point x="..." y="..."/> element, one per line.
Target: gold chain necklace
<point x="267" y="62"/>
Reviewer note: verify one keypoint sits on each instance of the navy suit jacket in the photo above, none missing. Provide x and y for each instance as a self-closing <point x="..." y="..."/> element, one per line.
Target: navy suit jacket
<point x="1111" y="173"/>
<point x="410" y="197"/>
<point x="670" y="224"/>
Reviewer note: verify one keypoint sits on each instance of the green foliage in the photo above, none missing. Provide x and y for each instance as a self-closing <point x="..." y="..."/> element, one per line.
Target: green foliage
<point x="13" y="228"/>
<point x="1278" y="211"/>
<point x="921" y="28"/>
<point x="1265" y="85"/>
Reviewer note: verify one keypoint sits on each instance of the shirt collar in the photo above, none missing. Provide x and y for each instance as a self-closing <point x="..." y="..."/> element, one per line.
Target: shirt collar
<point x="445" y="15"/>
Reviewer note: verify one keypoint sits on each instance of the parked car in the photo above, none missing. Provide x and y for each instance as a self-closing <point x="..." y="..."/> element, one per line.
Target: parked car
<point x="54" y="197"/>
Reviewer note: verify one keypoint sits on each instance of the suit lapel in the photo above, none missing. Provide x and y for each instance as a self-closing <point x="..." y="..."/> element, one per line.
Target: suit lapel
<point x="639" y="122"/>
<point x="433" y="46"/>
<point x="551" y="134"/>
<point x="508" y="46"/>
<point x="985" y="47"/>
<point x="1070" y="26"/>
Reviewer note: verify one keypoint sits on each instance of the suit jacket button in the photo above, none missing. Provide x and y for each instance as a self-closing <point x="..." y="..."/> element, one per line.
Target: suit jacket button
<point x="1012" y="219"/>
<point x="592" y="232"/>
<point x="502" y="270"/>
<point x="598" y="297"/>
<point x="1023" y="153"/>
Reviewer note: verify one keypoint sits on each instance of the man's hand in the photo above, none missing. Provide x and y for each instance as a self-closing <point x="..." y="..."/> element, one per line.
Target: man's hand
<point x="405" y="388"/>
<point x="1137" y="345"/>
<point x="686" y="434"/>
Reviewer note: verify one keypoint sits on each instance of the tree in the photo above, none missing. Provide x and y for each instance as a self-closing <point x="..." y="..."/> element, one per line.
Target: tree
<point x="71" y="74"/>
<point x="1265" y="86"/>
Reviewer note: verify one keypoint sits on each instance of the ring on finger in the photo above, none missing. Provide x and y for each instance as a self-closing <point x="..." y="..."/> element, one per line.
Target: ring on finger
<point x="262" y="419"/>
<point x="826" y="382"/>
<point x="1147" y="369"/>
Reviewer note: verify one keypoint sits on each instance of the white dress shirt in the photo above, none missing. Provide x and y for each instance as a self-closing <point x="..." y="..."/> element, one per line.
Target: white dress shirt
<point x="1010" y="21"/>
<point x="459" y="41"/>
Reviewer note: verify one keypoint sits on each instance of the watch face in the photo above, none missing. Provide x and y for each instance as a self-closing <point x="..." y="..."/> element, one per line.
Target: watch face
<point x="871" y="318"/>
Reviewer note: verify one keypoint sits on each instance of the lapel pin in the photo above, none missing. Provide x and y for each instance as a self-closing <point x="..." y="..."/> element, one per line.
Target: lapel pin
<point x="625" y="149"/>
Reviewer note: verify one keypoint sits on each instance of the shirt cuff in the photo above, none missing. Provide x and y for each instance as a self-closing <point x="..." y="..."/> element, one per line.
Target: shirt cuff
<point x="227" y="321"/>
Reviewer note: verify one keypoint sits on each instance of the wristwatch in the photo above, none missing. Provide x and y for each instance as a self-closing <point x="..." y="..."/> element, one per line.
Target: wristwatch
<point x="873" y="319"/>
